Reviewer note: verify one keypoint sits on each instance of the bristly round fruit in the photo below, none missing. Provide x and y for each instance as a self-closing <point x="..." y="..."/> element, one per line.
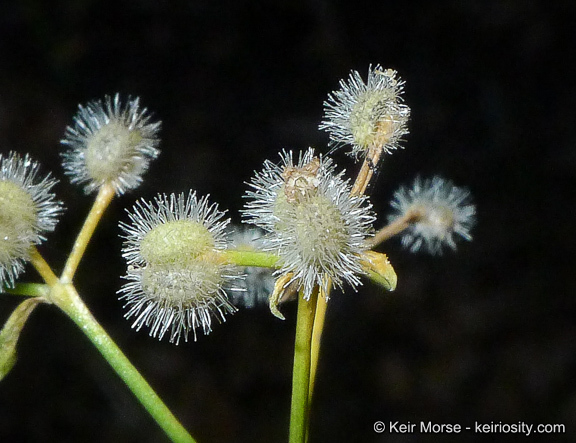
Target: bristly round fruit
<point x="367" y="115"/>
<point x="312" y="222"/>
<point x="28" y="210"/>
<point x="176" y="276"/>
<point x="441" y="209"/>
<point x="110" y="142"/>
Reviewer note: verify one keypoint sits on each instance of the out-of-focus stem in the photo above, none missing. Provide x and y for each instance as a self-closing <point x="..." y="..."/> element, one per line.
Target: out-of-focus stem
<point x="394" y="228"/>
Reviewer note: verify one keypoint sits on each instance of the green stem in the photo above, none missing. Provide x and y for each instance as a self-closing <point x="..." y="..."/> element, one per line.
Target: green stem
<point x="103" y="199"/>
<point x="66" y="297"/>
<point x="240" y="257"/>
<point x="42" y="267"/>
<point x="395" y="227"/>
<point x="300" y="409"/>
<point x="319" y="319"/>
<point x="29" y="289"/>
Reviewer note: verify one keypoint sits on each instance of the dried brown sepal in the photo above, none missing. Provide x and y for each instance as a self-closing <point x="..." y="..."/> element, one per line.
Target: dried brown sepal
<point x="301" y="181"/>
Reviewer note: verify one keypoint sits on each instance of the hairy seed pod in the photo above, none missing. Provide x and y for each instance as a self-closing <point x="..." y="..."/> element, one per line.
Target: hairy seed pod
<point x="28" y="210"/>
<point x="176" y="278"/>
<point x="442" y="211"/>
<point x="110" y="142"/>
<point x="311" y="220"/>
<point x="367" y="115"/>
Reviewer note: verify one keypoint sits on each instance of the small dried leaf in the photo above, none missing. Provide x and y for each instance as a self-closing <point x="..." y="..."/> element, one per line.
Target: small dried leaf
<point x="280" y="291"/>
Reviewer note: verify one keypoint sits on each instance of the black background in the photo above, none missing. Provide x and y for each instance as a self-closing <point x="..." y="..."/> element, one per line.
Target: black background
<point x="486" y="334"/>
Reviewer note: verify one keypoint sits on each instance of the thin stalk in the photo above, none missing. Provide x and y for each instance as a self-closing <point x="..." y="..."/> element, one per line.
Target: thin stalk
<point x="367" y="170"/>
<point x="319" y="319"/>
<point x="29" y="290"/>
<point x="66" y="297"/>
<point x="394" y="228"/>
<point x="42" y="267"/>
<point x="300" y="408"/>
<point x="103" y="199"/>
<point x="240" y="257"/>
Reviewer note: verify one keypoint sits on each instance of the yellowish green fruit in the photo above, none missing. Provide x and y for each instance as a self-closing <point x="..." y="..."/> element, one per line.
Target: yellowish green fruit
<point x="177" y="241"/>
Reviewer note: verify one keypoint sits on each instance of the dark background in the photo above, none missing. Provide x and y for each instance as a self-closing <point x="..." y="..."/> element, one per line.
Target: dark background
<point x="486" y="334"/>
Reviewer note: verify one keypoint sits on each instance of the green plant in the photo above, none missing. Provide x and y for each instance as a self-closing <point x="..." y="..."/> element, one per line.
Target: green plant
<point x="316" y="233"/>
